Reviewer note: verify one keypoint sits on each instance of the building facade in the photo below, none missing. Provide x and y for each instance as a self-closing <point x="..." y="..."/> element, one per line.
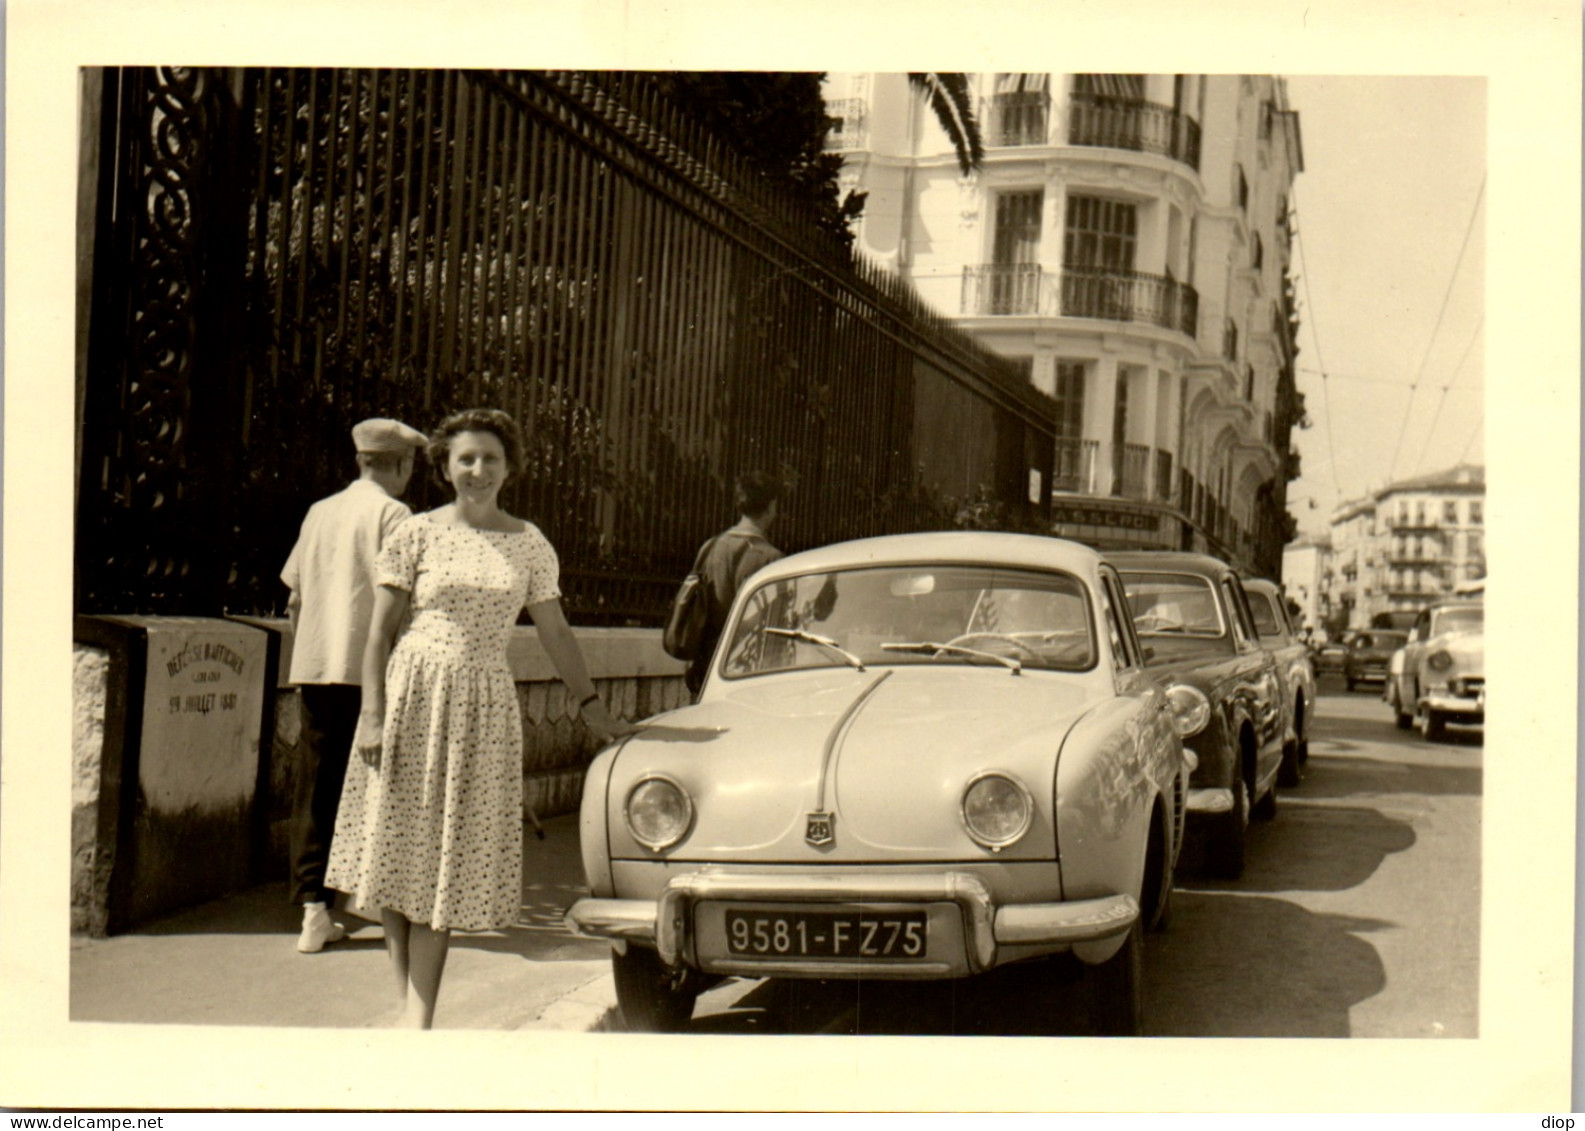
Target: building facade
<point x="1304" y="564"/>
<point x="1127" y="240"/>
<point x="1407" y="545"/>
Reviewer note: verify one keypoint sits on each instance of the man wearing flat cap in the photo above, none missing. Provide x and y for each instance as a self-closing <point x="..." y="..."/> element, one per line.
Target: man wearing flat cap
<point x="331" y="577"/>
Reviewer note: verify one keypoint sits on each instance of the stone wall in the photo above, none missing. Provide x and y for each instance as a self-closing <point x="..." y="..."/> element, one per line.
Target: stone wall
<point x="634" y="676"/>
<point x="90" y="865"/>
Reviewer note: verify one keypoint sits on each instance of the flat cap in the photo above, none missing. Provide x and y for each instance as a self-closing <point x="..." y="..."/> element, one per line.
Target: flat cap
<point x="382" y="435"/>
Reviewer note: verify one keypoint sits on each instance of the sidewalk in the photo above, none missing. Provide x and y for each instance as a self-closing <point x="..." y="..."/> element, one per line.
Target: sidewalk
<point x="234" y="962"/>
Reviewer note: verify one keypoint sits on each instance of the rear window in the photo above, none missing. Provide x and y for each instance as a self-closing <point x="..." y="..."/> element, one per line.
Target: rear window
<point x="1265" y="612"/>
<point x="1167" y="604"/>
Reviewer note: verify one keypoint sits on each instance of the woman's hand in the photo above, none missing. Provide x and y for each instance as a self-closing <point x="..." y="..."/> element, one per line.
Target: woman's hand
<point x="600" y="721"/>
<point x="369" y="737"/>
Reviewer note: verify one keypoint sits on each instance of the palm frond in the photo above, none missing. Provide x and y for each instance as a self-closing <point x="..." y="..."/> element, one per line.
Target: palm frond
<point x="952" y="102"/>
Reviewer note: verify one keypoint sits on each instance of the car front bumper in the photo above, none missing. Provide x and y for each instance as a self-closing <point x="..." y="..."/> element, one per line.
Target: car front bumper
<point x="1458" y="709"/>
<point x="973" y="934"/>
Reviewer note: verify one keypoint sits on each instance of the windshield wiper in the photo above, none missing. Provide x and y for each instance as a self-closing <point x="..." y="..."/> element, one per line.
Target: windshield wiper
<point x="822" y="641"/>
<point x="922" y="646"/>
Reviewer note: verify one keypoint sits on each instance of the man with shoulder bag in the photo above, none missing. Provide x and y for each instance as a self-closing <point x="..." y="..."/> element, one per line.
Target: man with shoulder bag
<point x="721" y="567"/>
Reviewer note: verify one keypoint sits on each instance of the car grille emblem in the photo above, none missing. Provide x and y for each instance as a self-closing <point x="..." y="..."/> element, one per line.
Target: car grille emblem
<point x="820" y="829"/>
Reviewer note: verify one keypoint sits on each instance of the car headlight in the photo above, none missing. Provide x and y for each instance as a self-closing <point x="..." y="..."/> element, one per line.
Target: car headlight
<point x="658" y="812"/>
<point x="1191" y="710"/>
<point x="1439" y="661"/>
<point x="997" y="810"/>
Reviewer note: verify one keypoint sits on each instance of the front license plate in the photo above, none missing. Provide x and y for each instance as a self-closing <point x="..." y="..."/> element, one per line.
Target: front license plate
<point x="826" y="934"/>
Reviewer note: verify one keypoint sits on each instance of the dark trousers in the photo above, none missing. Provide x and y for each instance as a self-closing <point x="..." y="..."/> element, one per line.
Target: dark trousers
<point x="330" y="720"/>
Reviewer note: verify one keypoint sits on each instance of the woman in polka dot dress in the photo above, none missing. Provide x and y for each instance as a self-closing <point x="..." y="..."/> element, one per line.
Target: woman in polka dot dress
<point x="430" y="826"/>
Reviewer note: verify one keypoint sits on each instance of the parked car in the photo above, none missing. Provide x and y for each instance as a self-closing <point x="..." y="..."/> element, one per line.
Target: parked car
<point x="1294" y="672"/>
<point x="1439" y="676"/>
<point x="914" y="757"/>
<point x="1193" y="617"/>
<point x="1369" y="653"/>
<point x="1331" y="655"/>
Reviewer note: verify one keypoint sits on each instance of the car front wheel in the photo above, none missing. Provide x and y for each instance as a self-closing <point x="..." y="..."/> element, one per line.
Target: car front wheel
<point x="1117" y="988"/>
<point x="1435" y="725"/>
<point x="1404" y="719"/>
<point x="651" y="999"/>
<point x="1224" y="847"/>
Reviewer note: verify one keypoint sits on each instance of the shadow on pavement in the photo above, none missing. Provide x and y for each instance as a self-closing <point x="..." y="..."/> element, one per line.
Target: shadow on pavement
<point x="1307" y="848"/>
<point x="1292" y="973"/>
<point x="1334" y="773"/>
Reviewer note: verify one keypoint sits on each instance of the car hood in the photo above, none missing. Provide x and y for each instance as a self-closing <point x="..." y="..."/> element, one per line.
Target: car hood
<point x="886" y="752"/>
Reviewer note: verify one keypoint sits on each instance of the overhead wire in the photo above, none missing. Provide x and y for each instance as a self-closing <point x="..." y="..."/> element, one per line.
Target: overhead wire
<point x="1419" y="463"/>
<point x="1447" y="294"/>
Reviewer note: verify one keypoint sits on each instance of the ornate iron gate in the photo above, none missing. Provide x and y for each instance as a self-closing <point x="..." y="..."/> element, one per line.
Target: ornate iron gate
<point x="280" y="253"/>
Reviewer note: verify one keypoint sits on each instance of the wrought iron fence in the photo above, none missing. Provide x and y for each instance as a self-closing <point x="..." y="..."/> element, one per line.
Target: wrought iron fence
<point x="281" y="252"/>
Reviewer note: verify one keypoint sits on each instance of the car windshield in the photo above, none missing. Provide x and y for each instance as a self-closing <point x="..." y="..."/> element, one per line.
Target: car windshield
<point x="1173" y="605"/>
<point x="1263" y="606"/>
<point x="926" y="614"/>
<point x="1471" y="618"/>
<point x="1379" y="641"/>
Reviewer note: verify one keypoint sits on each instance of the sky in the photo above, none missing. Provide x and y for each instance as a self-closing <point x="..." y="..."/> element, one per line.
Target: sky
<point x="1389" y="262"/>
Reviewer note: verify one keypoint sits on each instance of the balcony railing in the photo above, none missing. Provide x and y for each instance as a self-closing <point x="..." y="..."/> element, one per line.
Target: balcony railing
<point x="1074" y="466"/>
<point x="1018" y="118"/>
<point x="1423" y="522"/>
<point x="1145" y="127"/>
<point x="851" y="129"/>
<point x="1120" y="296"/>
<point x="1163" y="477"/>
<point x="1002" y="288"/>
<point x="1131" y="472"/>
<point x="1130" y="296"/>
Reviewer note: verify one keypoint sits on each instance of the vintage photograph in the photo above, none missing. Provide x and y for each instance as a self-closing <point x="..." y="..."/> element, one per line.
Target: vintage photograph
<point x="614" y="558"/>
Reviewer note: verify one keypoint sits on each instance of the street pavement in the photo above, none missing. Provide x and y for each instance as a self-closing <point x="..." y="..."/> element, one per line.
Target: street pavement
<point x="234" y="961"/>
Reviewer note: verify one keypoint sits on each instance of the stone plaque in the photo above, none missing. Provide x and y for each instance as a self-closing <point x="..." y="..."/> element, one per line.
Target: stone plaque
<point x="202" y="707"/>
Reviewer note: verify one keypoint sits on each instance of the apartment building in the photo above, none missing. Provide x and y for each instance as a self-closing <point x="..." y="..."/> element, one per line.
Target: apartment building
<point x="1127" y="239"/>
<point x="1407" y="544"/>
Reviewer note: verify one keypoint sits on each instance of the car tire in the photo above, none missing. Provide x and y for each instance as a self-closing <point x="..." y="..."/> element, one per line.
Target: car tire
<point x="1224" y="843"/>
<point x="647" y="995"/>
<point x="1404" y="721"/>
<point x="1291" y="772"/>
<point x="1350" y="683"/>
<point x="1117" y="988"/>
<point x="1266" y="808"/>
<point x="1435" y="726"/>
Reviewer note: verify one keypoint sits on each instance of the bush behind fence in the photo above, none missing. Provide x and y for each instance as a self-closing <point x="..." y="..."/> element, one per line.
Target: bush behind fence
<point x="277" y="254"/>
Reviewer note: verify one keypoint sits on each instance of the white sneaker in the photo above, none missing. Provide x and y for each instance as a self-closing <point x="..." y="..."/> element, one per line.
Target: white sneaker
<point x="318" y="929"/>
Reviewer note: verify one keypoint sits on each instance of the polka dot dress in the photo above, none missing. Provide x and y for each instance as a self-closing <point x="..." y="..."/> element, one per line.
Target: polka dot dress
<point x="435" y="832"/>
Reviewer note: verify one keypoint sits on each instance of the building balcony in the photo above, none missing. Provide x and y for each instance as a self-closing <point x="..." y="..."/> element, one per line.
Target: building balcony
<point x="1145" y="127"/>
<point x="1410" y="558"/>
<point x="1164" y="476"/>
<point x="850" y="126"/>
<point x="1131" y="471"/>
<point x="1004" y="288"/>
<point x="1017" y="118"/>
<point x="1130" y="296"/>
<point x="1423" y="522"/>
<point x="1073" y="468"/>
<point x="1118" y="296"/>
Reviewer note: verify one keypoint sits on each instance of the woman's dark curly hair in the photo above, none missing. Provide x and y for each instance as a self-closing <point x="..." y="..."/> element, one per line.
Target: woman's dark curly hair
<point x="491" y="420"/>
